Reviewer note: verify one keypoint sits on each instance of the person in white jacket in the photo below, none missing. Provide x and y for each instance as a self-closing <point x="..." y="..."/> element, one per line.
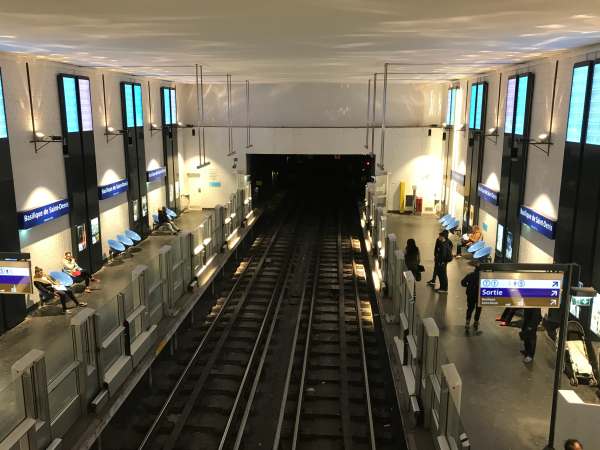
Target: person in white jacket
<point x="71" y="267"/>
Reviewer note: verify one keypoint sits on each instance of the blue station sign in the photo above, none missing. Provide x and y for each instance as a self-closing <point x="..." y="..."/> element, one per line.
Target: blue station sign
<point x="33" y="217"/>
<point x="487" y="194"/>
<point x="536" y="221"/>
<point x="112" y="189"/>
<point x="156" y="174"/>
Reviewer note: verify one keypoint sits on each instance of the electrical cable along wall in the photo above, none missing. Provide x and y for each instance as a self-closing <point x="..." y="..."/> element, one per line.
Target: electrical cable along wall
<point x="514" y="165"/>
<point x="577" y="229"/>
<point x="80" y="169"/>
<point x="476" y="144"/>
<point x="13" y="306"/>
<point x="169" y="126"/>
<point x="135" y="156"/>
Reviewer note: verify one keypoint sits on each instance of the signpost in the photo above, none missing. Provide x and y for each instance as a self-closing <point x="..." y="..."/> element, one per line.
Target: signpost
<point x="533" y="286"/>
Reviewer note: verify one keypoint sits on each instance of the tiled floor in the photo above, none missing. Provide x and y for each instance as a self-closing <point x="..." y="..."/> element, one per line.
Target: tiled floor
<point x="505" y="403"/>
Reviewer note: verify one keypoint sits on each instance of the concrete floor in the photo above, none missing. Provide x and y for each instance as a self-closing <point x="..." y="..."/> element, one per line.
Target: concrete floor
<point x="505" y="403"/>
<point x="48" y="330"/>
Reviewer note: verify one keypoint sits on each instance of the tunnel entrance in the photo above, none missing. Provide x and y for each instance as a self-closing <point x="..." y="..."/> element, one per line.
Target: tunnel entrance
<point x="331" y="176"/>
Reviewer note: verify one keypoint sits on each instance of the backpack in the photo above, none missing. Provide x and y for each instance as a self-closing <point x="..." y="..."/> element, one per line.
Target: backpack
<point x="449" y="256"/>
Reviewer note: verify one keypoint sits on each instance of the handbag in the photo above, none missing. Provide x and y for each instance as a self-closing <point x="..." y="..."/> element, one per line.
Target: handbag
<point x="421" y="268"/>
<point x="76" y="273"/>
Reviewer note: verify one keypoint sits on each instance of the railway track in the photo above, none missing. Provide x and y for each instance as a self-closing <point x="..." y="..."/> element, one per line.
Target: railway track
<point x="289" y="358"/>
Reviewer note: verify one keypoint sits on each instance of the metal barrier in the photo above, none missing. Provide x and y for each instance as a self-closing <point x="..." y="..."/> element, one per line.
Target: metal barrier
<point x="432" y="386"/>
<point x="87" y="362"/>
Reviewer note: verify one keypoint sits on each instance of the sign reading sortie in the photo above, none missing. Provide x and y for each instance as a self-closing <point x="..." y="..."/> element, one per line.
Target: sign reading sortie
<point x="43" y="214"/>
<point x="539" y="223"/>
<point x="156" y="174"/>
<point x="112" y="189"/>
<point x="487" y="194"/>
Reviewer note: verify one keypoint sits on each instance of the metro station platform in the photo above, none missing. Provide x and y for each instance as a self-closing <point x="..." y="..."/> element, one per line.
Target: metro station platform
<point x="505" y="404"/>
<point x="48" y="330"/>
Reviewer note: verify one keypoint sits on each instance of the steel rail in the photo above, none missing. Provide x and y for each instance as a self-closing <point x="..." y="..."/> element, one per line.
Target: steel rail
<point x="344" y="397"/>
<point x="258" y="374"/>
<point x="215" y="353"/>
<point x="363" y="352"/>
<point x="206" y="336"/>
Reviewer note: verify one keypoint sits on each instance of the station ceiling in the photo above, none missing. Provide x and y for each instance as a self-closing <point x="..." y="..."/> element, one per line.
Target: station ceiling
<point x="304" y="40"/>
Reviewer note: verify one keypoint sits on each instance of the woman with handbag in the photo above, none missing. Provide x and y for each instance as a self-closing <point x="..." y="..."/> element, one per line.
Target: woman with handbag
<point x="412" y="258"/>
<point x="71" y="267"/>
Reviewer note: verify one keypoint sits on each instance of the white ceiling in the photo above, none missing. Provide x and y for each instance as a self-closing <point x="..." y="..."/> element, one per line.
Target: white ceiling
<point x="304" y="40"/>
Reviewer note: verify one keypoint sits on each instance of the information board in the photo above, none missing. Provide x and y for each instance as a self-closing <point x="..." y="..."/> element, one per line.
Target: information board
<point x="449" y="108"/>
<point x="577" y="103"/>
<point x="479" y="113"/>
<point x="70" y="98"/>
<point x="510" y="105"/>
<point x="139" y="108"/>
<point x="15" y="277"/>
<point x="173" y="106"/>
<point x="520" y="289"/>
<point x="85" y="101"/>
<point x="167" y="106"/>
<point x="3" y="127"/>
<point x="521" y="104"/>
<point x="472" y="106"/>
<point x="593" y="130"/>
<point x="129" y="109"/>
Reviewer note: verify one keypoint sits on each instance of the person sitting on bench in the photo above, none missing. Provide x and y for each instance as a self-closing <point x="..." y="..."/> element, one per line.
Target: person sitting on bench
<point x="79" y="275"/>
<point x="50" y="288"/>
<point x="473" y="237"/>
<point x="164" y="220"/>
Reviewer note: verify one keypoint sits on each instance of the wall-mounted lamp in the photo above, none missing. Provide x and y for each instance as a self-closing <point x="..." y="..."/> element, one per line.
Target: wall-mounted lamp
<point x="110" y="131"/>
<point x="182" y="125"/>
<point x="493" y="133"/>
<point x="40" y="140"/>
<point x="461" y="127"/>
<point x="204" y="164"/>
<point x="154" y="128"/>
<point x="542" y="142"/>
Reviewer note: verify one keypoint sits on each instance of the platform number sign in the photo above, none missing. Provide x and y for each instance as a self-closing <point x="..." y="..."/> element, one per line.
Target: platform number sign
<point x="169" y="106"/>
<point x="520" y="289"/>
<point x="476" y="106"/>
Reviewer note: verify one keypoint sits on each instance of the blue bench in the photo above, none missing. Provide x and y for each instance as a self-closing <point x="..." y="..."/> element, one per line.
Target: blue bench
<point x="116" y="248"/>
<point x="133" y="236"/>
<point x="444" y="218"/>
<point x="172" y="214"/>
<point x="476" y="246"/>
<point x="63" y="278"/>
<point x="452" y="225"/>
<point x="483" y="253"/>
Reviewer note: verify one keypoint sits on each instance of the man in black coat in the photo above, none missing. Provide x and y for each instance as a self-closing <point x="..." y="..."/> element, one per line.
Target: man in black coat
<point x="471" y="282"/>
<point x="531" y="319"/>
<point x="442" y="255"/>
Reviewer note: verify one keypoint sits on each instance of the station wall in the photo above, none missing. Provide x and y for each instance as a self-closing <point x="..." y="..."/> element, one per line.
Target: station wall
<point x="314" y="118"/>
<point x="39" y="178"/>
<point x="544" y="170"/>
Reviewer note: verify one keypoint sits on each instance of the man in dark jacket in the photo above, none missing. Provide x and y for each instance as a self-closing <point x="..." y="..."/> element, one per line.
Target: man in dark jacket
<point x="531" y="319"/>
<point x="442" y="255"/>
<point x="471" y="282"/>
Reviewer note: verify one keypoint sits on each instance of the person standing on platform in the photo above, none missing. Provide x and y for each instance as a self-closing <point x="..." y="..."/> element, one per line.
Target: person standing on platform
<point x="442" y="256"/>
<point x="531" y="319"/>
<point x="471" y="282"/>
<point x="435" y="252"/>
<point x="412" y="258"/>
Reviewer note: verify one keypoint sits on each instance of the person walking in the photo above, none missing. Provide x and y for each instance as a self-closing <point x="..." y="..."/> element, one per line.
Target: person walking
<point x="412" y="258"/>
<point x="435" y="252"/>
<point x="471" y="282"/>
<point x="531" y="319"/>
<point x="442" y="256"/>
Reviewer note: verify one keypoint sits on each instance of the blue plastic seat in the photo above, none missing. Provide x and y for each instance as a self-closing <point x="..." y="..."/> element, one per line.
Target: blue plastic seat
<point x="476" y="246"/>
<point x="133" y="235"/>
<point x="115" y="246"/>
<point x="444" y="218"/>
<point x="172" y="214"/>
<point x="63" y="278"/>
<point x="155" y="218"/>
<point x="452" y="225"/>
<point x="483" y="253"/>
<point x="125" y="240"/>
<point x="447" y="220"/>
